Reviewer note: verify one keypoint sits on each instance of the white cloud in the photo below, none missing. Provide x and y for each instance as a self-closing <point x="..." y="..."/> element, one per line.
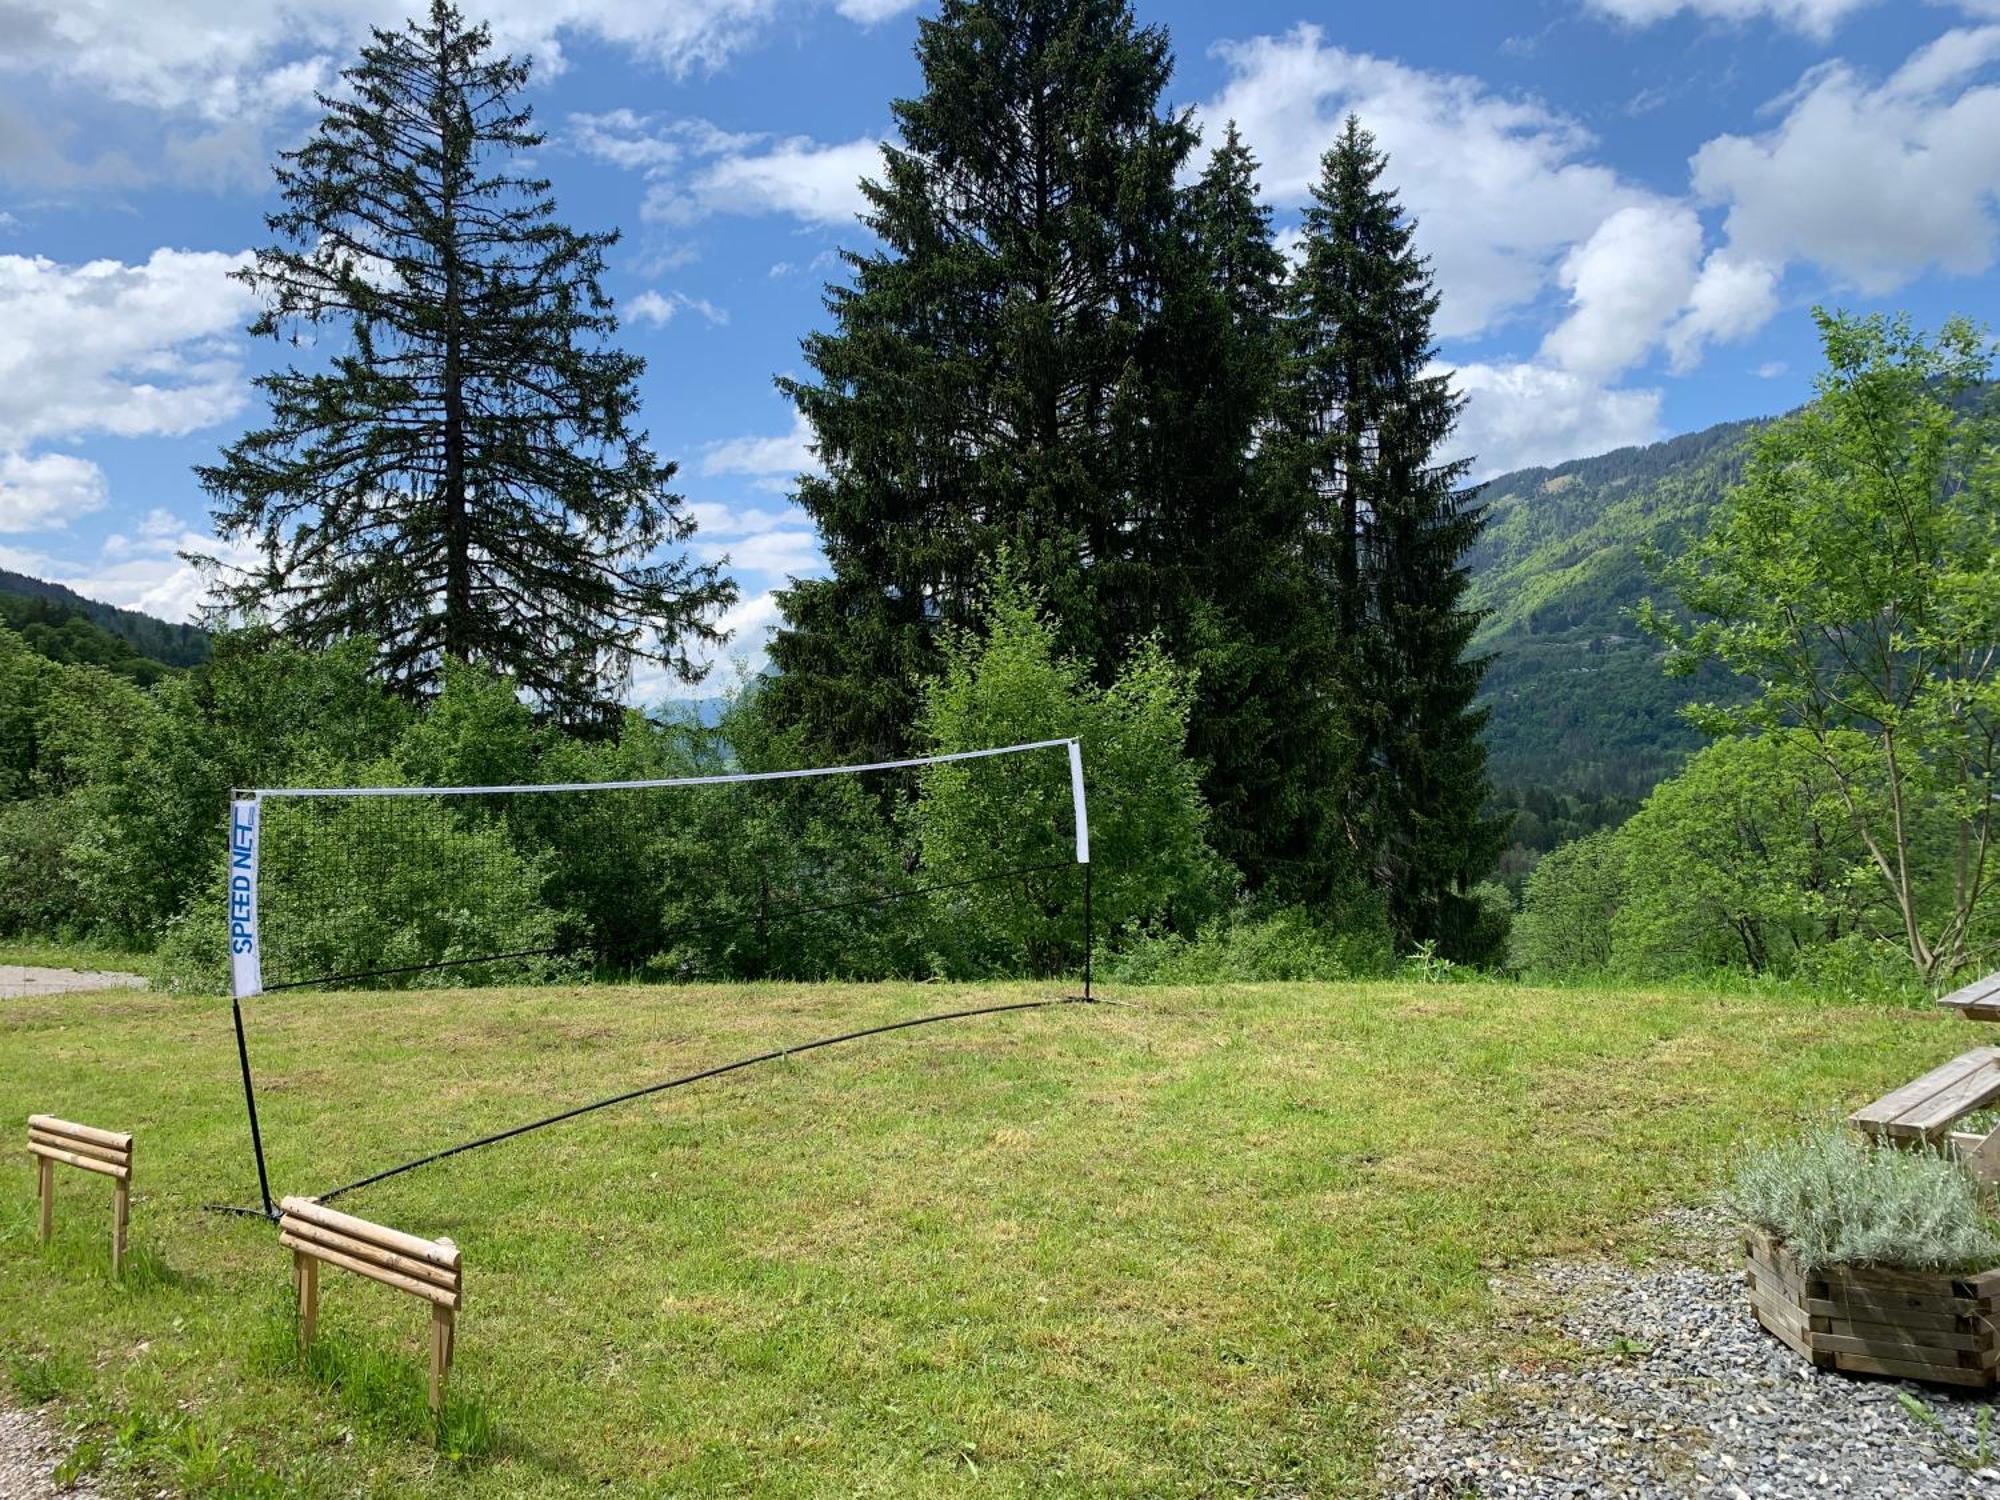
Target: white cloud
<point x="748" y="623"/>
<point x="718" y="520"/>
<point x="1771" y="369"/>
<point x="1816" y="18"/>
<point x="697" y="169"/>
<point x="1499" y="186"/>
<point x="1731" y="300"/>
<point x="815" y="183"/>
<point x="47" y="492"/>
<point x="783" y="552"/>
<point x="651" y="307"/>
<point x="1520" y="415"/>
<point x="1874" y="184"/>
<point x="1634" y="273"/>
<point x="106" y="347"/>
<point x="223" y="60"/>
<point x="776" y="460"/>
<point x="871" y="12"/>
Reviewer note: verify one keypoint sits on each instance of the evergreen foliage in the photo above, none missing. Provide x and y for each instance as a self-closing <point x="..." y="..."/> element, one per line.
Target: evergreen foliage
<point x="153" y="639"/>
<point x="1005" y="371"/>
<point x="462" y="479"/>
<point x="1385" y="526"/>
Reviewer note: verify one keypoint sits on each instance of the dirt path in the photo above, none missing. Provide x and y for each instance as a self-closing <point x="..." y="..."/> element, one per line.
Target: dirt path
<point x="18" y="980"/>
<point x="30" y="1449"/>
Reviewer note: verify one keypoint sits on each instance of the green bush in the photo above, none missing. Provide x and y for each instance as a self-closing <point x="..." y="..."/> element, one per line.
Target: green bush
<point x="1148" y="822"/>
<point x="1564" y="926"/>
<point x="1251" y="947"/>
<point x="1835" y="1199"/>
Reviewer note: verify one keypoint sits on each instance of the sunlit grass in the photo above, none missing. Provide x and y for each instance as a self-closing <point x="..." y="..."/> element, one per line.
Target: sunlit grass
<point x="1180" y="1246"/>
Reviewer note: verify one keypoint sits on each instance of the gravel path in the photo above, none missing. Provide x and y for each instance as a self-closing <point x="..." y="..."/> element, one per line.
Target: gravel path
<point x="1659" y="1384"/>
<point x="19" y="980"/>
<point x="30" y="1449"/>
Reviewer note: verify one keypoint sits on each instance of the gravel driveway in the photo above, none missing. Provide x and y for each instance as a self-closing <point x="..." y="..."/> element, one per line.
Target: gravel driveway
<point x="30" y="1449"/>
<point x="19" y="980"/>
<point x="1658" y="1384"/>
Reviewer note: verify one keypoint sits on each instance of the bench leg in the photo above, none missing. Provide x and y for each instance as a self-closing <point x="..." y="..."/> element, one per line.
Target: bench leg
<point x="121" y="1221"/>
<point x="444" y="1334"/>
<point x="45" y="1184"/>
<point x="305" y="1277"/>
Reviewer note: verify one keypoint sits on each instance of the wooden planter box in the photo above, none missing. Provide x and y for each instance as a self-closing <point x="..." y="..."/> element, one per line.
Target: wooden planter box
<point x="1915" y="1325"/>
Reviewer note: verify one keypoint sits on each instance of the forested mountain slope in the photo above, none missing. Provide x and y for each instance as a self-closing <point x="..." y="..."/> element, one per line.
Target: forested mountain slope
<point x="1580" y="704"/>
<point x="64" y="626"/>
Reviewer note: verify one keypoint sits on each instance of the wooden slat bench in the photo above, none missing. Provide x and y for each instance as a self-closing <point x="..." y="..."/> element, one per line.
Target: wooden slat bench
<point x="428" y="1269"/>
<point x="108" y="1153"/>
<point x="1977" y="1001"/>
<point x="1923" y="1111"/>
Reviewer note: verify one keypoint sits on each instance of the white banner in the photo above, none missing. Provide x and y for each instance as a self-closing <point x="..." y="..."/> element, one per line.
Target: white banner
<point x="246" y="969"/>
<point x="1077" y="803"/>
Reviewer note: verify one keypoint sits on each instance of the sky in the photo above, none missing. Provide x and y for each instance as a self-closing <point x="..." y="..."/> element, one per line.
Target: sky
<point x="1631" y="207"/>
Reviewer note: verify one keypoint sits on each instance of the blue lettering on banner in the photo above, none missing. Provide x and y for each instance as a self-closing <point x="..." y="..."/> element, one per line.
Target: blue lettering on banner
<point x="242" y="889"/>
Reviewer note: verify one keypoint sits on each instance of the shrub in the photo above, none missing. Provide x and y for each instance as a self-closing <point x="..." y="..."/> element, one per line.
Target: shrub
<point x="1564" y="928"/>
<point x="1252" y="947"/>
<point x="1835" y="1199"/>
<point x="1148" y="822"/>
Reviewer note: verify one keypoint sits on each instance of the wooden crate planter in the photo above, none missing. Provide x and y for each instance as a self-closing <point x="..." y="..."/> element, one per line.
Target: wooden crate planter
<point x="1914" y="1325"/>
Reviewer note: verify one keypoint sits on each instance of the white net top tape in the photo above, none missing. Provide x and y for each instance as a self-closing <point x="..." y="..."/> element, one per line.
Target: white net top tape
<point x="670" y="781"/>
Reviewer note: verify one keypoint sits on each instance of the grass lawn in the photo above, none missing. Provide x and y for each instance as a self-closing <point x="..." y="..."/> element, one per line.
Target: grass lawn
<point x="1182" y="1246"/>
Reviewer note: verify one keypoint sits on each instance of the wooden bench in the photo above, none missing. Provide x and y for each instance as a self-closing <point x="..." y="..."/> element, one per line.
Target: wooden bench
<point x="1923" y="1111"/>
<point x="424" y="1268"/>
<point x="105" y="1152"/>
<point x="1977" y="1001"/>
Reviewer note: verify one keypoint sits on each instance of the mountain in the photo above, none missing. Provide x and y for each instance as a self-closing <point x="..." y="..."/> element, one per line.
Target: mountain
<point x="1580" y="706"/>
<point x="64" y="626"/>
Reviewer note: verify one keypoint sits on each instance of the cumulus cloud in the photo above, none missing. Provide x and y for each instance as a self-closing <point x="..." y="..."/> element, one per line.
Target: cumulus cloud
<point x="47" y="492"/>
<point x="696" y="169"/>
<point x="1501" y="187"/>
<point x="1816" y="18"/>
<point x="774" y="461"/>
<point x="129" y="350"/>
<point x="651" y="307"/>
<point x="1731" y="300"/>
<point x="223" y="60"/>
<point x="1874" y="184"/>
<point x="1634" y="273"/>
<point x="1523" y="414"/>
<point x="871" y="12"/>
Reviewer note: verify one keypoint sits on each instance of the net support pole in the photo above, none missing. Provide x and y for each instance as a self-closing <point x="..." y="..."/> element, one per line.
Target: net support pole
<point x="1080" y="807"/>
<point x="245" y="959"/>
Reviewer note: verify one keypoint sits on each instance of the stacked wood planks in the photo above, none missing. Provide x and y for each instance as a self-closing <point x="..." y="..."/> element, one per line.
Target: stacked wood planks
<point x="1915" y="1325"/>
<point x="108" y="1153"/>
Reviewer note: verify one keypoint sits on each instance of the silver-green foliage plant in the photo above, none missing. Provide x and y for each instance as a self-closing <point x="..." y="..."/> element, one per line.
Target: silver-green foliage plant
<point x="1835" y="1199"/>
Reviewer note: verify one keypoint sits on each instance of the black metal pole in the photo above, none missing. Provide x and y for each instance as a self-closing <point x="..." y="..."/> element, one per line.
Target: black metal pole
<point x="1088" y="932"/>
<point x="250" y="1101"/>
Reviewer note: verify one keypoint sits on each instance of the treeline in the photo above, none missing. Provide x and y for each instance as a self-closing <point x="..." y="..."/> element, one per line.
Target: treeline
<point x="1072" y="345"/>
<point x="111" y="799"/>
<point x="1846" y="594"/>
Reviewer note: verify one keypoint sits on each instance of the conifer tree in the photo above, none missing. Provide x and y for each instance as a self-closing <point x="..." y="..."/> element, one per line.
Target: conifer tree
<point x="462" y="478"/>
<point x="1237" y="547"/>
<point x="1385" y="527"/>
<point x="994" y="375"/>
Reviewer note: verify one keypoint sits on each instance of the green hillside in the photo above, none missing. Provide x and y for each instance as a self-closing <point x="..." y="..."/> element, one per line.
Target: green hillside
<point x="64" y="626"/>
<point x="146" y="636"/>
<point x="1580" y="705"/>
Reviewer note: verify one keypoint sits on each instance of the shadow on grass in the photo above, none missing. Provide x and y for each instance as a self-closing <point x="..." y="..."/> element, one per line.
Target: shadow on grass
<point x="386" y="1391"/>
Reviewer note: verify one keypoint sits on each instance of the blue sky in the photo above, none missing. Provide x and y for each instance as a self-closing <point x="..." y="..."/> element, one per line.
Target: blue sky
<point x="1631" y="206"/>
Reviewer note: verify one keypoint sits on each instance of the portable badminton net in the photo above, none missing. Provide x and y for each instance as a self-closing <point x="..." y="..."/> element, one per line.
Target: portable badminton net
<point x="351" y="887"/>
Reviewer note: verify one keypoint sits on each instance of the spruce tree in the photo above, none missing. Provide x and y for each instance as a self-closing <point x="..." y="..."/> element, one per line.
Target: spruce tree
<point x="1385" y="525"/>
<point x="462" y="476"/>
<point x="1236" y="547"/>
<point x="994" y="374"/>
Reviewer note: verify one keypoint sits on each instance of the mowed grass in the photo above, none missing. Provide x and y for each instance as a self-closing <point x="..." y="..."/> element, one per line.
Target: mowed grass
<point x="1184" y="1245"/>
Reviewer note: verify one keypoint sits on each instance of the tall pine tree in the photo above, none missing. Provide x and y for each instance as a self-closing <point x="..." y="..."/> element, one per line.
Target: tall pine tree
<point x="995" y="376"/>
<point x="1384" y="526"/>
<point x="1236" y="543"/>
<point x="462" y="477"/>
